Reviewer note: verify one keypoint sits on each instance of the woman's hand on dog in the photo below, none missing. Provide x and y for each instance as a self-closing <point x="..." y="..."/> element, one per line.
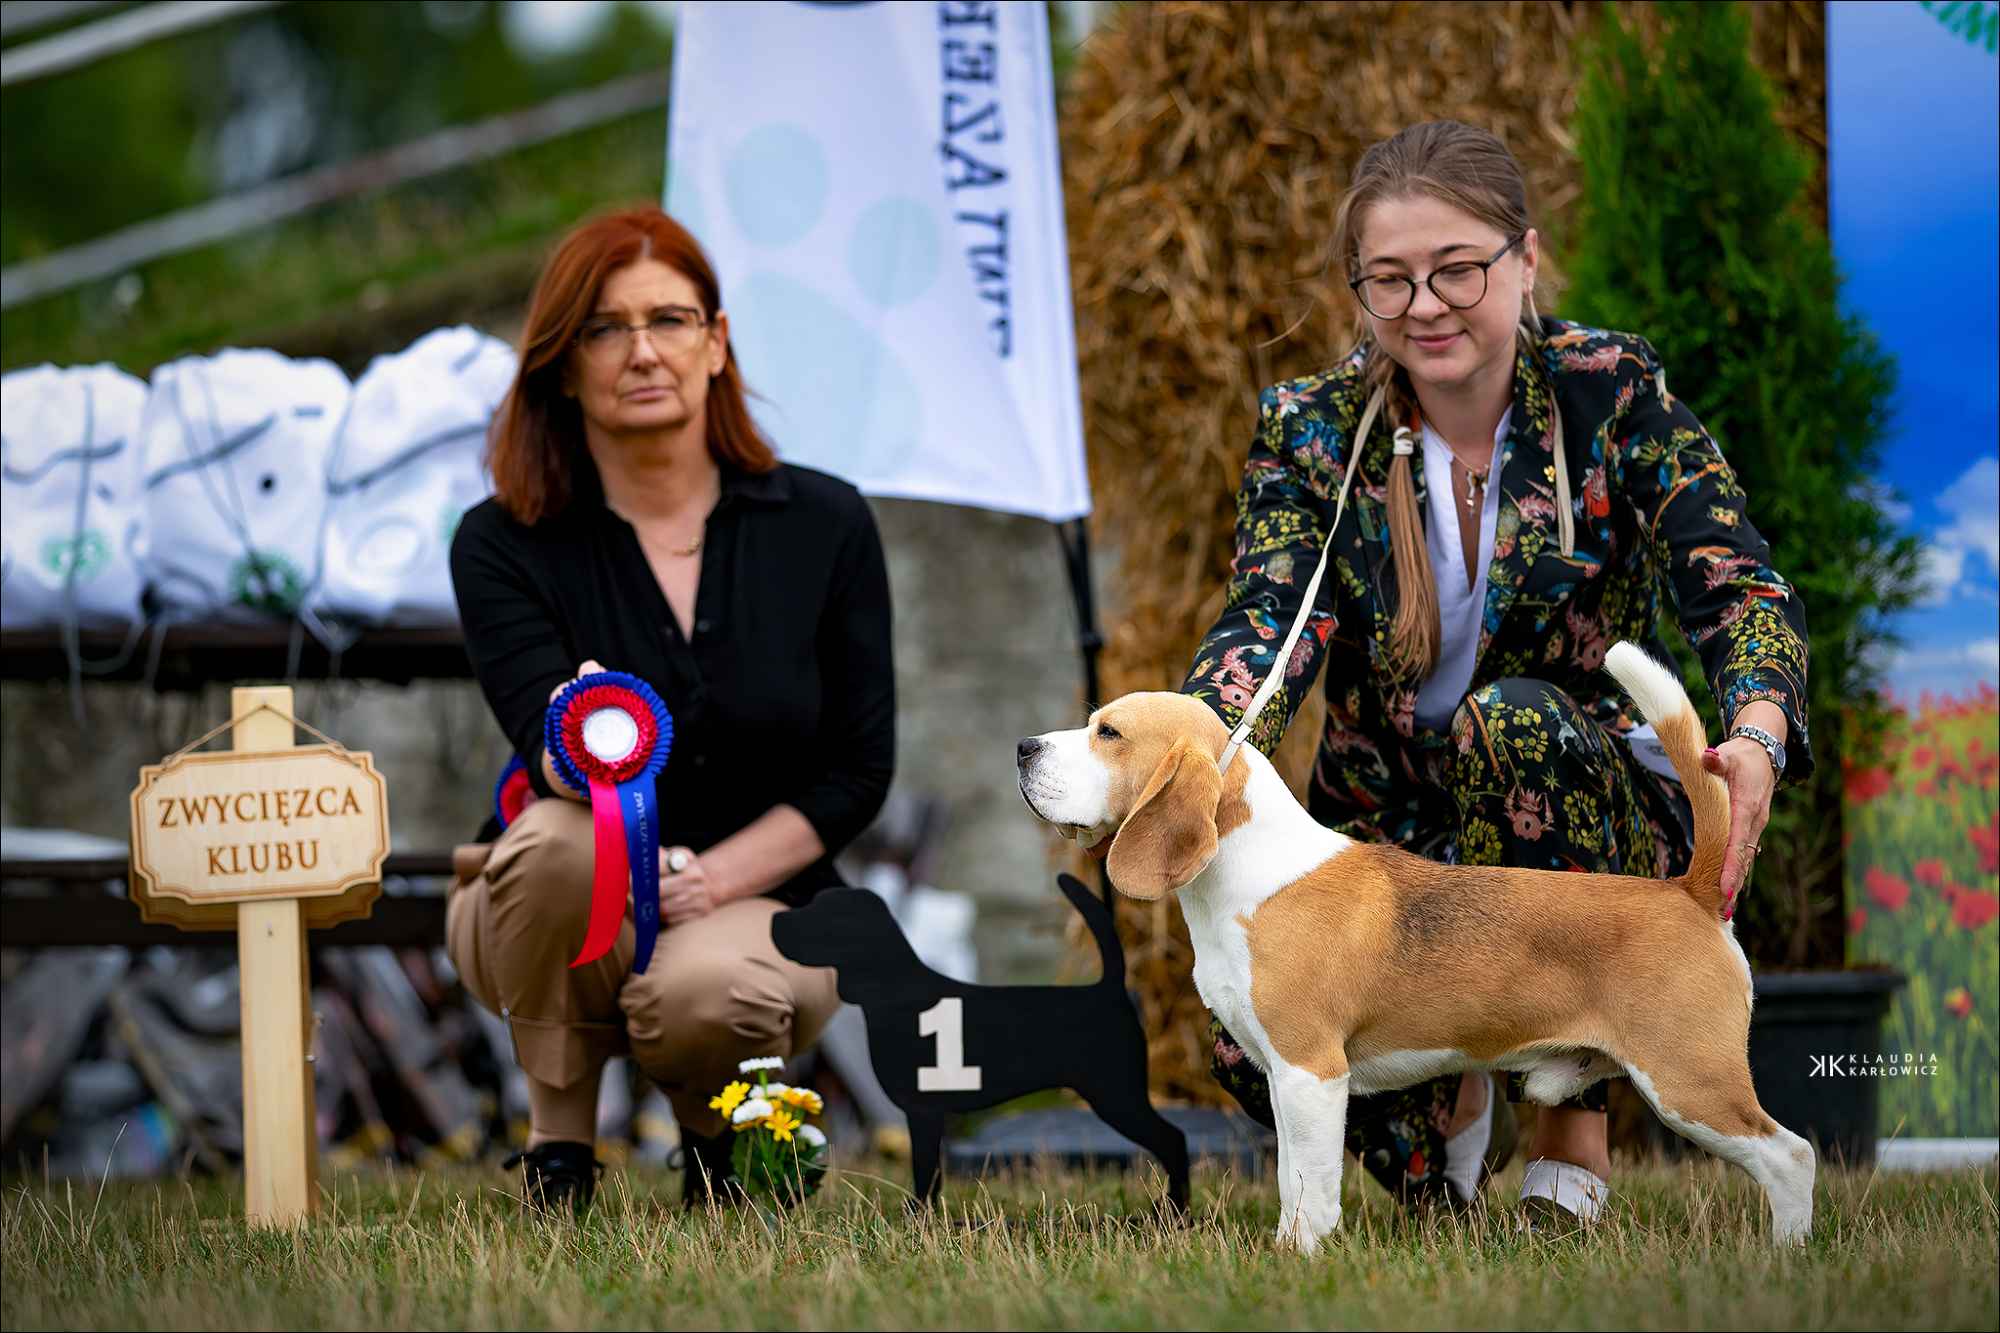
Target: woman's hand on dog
<point x="686" y="894"/>
<point x="1746" y="767"/>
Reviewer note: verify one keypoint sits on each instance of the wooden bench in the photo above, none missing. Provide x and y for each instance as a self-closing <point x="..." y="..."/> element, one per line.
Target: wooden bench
<point x="66" y="903"/>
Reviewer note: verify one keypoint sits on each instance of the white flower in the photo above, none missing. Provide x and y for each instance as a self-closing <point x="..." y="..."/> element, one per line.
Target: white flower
<point x="774" y="1091"/>
<point x="761" y="1062"/>
<point x="810" y="1136"/>
<point x="752" y="1110"/>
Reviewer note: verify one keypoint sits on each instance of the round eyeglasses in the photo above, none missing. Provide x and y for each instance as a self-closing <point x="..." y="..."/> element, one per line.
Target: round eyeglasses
<point x="1461" y="285"/>
<point x="672" y="329"/>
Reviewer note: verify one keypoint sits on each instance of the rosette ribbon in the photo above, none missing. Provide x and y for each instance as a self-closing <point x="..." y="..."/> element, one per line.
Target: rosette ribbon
<point x="512" y="793"/>
<point x="609" y="733"/>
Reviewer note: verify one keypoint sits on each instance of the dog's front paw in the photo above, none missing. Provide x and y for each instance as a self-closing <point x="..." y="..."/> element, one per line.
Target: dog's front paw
<point x="1299" y="1232"/>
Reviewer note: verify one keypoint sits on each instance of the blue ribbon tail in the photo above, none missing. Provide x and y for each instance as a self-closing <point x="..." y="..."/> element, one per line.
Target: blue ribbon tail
<point x="636" y="800"/>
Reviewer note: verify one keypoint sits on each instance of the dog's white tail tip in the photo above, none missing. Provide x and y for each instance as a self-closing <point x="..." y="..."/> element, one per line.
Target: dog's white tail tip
<point x="1653" y="685"/>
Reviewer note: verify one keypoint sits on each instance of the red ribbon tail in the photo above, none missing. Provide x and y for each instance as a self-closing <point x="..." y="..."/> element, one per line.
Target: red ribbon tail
<point x="608" y="884"/>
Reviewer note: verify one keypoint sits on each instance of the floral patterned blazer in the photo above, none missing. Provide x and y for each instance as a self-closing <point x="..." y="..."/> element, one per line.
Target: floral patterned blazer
<point x="1656" y="510"/>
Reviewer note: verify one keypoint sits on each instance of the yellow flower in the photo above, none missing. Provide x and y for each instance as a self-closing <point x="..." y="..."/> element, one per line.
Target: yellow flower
<point x="805" y="1099"/>
<point x="729" y="1098"/>
<point x="782" y="1123"/>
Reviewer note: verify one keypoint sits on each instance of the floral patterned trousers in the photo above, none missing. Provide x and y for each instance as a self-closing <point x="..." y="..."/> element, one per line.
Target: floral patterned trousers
<point x="1535" y="782"/>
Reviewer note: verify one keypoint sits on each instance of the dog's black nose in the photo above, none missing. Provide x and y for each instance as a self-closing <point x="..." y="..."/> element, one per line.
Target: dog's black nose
<point x="1028" y="748"/>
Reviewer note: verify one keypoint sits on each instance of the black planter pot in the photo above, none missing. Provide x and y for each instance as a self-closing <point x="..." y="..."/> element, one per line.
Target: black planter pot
<point x="1815" y="1038"/>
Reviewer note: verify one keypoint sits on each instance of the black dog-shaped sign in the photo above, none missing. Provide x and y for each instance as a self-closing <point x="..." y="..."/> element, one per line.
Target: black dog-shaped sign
<point x="941" y="1046"/>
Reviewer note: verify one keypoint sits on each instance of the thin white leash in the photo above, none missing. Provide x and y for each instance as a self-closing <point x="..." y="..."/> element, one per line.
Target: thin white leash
<point x="1405" y="443"/>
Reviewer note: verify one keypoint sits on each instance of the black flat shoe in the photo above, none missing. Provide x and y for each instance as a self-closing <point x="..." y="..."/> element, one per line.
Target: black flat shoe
<point x="708" y="1174"/>
<point x="1549" y="1220"/>
<point x="557" y="1176"/>
<point x="1500" y="1148"/>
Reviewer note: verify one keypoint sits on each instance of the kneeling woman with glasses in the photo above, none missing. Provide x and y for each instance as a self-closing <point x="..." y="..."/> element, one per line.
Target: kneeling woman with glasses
<point x="639" y="523"/>
<point x="1529" y="493"/>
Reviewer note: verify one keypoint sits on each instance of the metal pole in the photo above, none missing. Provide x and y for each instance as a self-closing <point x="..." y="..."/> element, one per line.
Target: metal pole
<point x="1074" y="538"/>
<point x="232" y="215"/>
<point x="121" y="32"/>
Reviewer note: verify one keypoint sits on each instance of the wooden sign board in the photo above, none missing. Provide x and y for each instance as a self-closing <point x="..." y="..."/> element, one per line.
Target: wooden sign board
<point x="213" y="830"/>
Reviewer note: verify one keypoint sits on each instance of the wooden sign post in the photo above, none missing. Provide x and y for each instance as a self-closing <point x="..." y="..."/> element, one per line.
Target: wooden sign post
<point x="269" y="840"/>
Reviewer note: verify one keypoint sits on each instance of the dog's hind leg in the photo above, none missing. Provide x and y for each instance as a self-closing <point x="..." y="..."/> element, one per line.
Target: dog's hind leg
<point x="1716" y="1108"/>
<point x="926" y="1156"/>
<point x="1145" y="1126"/>
<point x="1312" y="1141"/>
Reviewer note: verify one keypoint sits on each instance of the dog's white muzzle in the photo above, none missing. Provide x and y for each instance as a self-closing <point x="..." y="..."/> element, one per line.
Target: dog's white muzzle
<point x="1064" y="784"/>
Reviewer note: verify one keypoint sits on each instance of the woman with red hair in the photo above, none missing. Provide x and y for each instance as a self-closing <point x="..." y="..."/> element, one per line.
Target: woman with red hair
<point x="641" y="522"/>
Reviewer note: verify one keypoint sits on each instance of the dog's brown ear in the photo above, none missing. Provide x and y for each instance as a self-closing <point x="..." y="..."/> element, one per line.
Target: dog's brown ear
<point x="1170" y="835"/>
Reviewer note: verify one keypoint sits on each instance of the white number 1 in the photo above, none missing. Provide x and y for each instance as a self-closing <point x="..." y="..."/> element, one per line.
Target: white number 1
<point x="945" y="1020"/>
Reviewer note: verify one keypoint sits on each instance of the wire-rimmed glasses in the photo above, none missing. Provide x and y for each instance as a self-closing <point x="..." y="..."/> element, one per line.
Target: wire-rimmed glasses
<point x="1460" y="285"/>
<point x="673" y="328"/>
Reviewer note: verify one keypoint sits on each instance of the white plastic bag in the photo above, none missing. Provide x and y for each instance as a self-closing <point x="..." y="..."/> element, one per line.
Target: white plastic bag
<point x="71" y="513"/>
<point x="408" y="464"/>
<point x="236" y="448"/>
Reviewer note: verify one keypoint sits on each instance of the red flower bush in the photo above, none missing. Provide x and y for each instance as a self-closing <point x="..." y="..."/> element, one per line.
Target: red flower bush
<point x="1856" y="920"/>
<point x="1865" y="784"/>
<point x="1972" y="909"/>
<point x="1987" y="840"/>
<point x="1930" y="872"/>
<point x="1958" y="1002"/>
<point x="1890" y="891"/>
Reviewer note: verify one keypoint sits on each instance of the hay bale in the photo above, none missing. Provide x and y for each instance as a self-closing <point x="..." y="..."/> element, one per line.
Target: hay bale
<point x="1205" y="146"/>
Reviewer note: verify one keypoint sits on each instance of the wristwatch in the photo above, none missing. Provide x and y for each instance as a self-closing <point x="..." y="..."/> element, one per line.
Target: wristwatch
<point x="1772" y="745"/>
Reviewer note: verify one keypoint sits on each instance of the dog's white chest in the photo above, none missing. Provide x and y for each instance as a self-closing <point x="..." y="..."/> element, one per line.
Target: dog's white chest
<point x="1275" y="849"/>
<point x="1222" y="972"/>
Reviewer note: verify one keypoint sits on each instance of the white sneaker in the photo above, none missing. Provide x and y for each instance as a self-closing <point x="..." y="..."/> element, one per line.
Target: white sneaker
<point x="1559" y="1196"/>
<point x="1465" y="1151"/>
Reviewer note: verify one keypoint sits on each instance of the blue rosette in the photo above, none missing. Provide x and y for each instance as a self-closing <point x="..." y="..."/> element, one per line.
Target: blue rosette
<point x="609" y="734"/>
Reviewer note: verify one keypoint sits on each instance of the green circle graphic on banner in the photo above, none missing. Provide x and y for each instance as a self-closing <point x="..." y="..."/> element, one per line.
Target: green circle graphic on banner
<point x="267" y="581"/>
<point x="86" y="554"/>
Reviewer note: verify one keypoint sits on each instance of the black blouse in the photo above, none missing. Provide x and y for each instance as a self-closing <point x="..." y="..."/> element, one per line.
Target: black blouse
<point x="786" y="692"/>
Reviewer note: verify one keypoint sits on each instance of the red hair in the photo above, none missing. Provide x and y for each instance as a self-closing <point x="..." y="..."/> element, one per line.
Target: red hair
<point x="537" y="435"/>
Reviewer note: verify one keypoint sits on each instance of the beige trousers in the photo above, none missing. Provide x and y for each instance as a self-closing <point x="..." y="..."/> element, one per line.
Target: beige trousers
<point x="717" y="991"/>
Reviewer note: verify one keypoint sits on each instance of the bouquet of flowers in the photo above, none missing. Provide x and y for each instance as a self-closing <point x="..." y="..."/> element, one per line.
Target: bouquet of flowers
<point x="776" y="1154"/>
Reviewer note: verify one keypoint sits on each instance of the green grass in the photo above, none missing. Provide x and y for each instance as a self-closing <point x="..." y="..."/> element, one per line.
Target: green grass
<point x="1684" y="1247"/>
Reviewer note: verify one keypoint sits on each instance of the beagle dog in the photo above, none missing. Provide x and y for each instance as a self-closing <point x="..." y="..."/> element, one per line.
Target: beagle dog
<point x="1346" y="967"/>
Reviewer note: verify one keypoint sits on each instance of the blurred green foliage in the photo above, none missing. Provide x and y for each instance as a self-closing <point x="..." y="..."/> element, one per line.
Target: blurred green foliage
<point x="359" y="277"/>
<point x="1690" y="230"/>
<point x="300" y="86"/>
<point x="304" y="85"/>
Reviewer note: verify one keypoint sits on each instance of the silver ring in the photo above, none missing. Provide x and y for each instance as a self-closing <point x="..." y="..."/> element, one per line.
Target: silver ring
<point x="677" y="860"/>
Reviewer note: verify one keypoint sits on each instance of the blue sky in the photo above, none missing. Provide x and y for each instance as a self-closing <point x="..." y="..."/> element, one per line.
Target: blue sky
<point x="1914" y="199"/>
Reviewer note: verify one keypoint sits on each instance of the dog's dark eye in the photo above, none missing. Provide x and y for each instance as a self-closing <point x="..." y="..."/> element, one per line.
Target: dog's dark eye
<point x="1105" y="731"/>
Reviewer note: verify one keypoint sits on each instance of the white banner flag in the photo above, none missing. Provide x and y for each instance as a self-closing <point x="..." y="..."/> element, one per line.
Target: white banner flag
<point x="879" y="189"/>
